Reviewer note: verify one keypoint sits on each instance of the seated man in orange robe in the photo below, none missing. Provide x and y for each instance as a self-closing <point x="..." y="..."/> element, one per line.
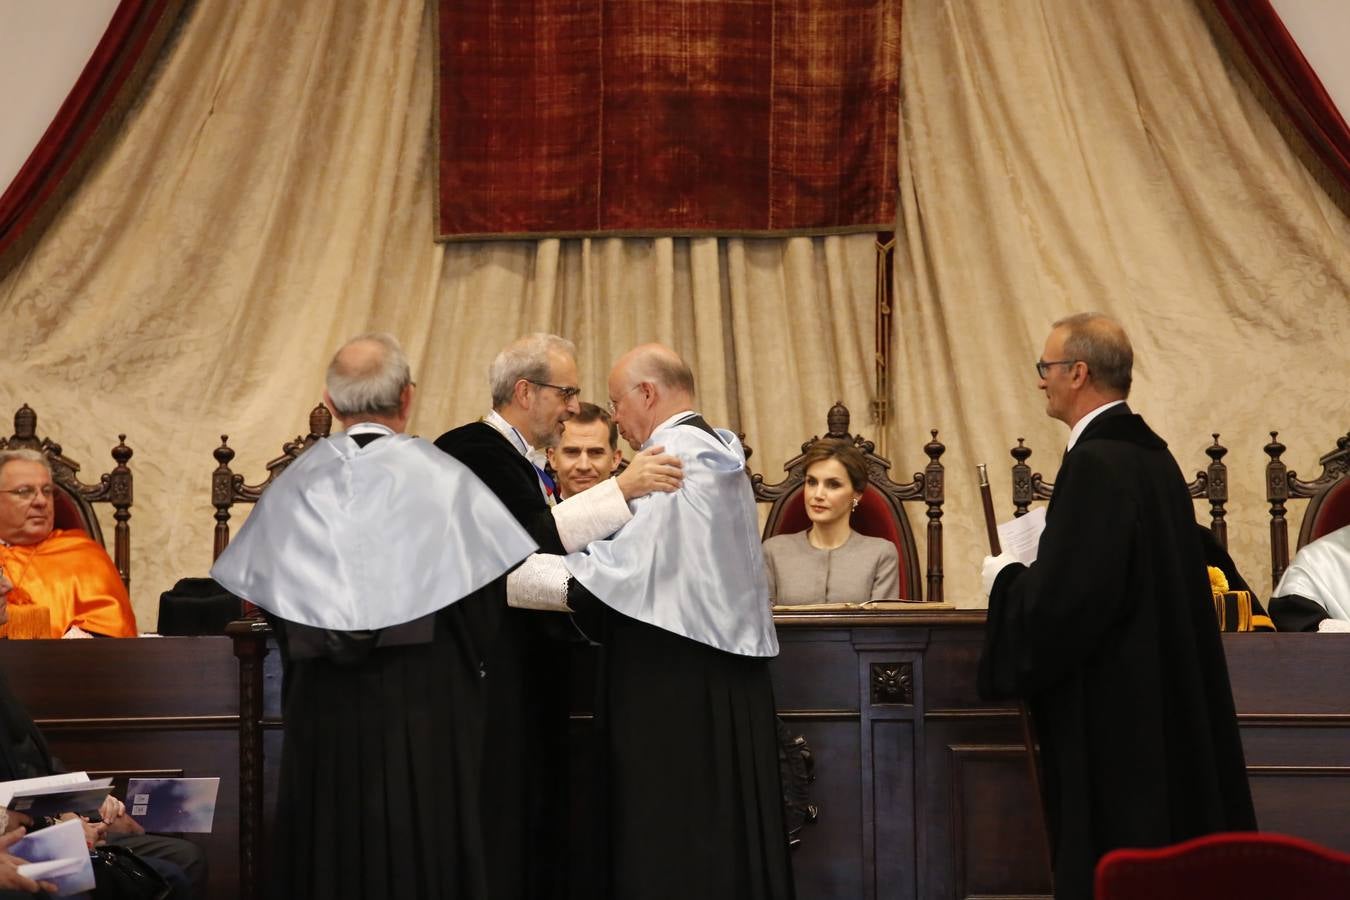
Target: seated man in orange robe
<point x="60" y="570"/>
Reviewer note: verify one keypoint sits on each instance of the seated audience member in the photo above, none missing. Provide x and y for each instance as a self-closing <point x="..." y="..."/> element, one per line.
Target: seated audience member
<point x="587" y="451"/>
<point x="830" y="562"/>
<point x="24" y="754"/>
<point x="1235" y="603"/>
<point x="1314" y="592"/>
<point x="62" y="571"/>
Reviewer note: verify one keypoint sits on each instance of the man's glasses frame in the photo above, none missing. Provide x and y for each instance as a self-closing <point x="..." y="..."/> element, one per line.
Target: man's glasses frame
<point x="1043" y="365"/>
<point x="614" y="404"/>
<point x="567" y="392"/>
<point x="26" y="493"/>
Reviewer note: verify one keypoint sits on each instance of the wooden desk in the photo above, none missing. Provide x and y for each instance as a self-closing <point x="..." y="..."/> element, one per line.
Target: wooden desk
<point x="922" y="788"/>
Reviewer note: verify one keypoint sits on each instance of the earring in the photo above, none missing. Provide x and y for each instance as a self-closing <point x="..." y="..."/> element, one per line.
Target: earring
<point x="855" y="504"/>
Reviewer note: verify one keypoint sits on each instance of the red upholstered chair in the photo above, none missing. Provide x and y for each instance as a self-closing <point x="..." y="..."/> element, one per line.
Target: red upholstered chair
<point x="1237" y="866"/>
<point x="74" y="499"/>
<point x="1210" y="483"/>
<point x="880" y="513"/>
<point x="1328" y="498"/>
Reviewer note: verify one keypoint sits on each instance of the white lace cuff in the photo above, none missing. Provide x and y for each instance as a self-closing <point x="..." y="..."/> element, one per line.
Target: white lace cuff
<point x="591" y="515"/>
<point x="540" y="582"/>
<point x="1333" y="625"/>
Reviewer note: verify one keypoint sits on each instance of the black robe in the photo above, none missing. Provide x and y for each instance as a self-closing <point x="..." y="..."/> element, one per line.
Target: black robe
<point x="1111" y="638"/>
<point x="525" y="762"/>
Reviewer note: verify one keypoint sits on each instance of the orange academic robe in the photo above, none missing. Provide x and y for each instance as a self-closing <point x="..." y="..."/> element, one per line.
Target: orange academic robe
<point x="73" y="577"/>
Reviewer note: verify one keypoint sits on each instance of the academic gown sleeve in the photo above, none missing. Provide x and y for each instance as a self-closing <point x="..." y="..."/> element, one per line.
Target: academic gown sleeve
<point x="509" y="475"/>
<point x="1045" y="620"/>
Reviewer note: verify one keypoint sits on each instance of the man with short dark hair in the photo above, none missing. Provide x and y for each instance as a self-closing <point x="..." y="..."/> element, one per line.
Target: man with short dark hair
<point x="1110" y="635"/>
<point x="378" y="560"/>
<point x="587" y="451"/>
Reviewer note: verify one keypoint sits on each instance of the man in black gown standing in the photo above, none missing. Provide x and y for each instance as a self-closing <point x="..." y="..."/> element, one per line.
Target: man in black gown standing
<point x="533" y="382"/>
<point x="1110" y="635"/>
<point x="378" y="560"/>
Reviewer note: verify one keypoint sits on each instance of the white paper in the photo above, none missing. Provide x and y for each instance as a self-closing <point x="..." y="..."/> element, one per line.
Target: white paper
<point x="1022" y="536"/>
<point x="9" y="788"/>
<point x="63" y="845"/>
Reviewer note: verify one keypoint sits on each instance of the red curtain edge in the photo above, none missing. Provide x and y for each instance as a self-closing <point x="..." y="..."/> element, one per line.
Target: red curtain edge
<point x="1275" y="55"/>
<point x="94" y="93"/>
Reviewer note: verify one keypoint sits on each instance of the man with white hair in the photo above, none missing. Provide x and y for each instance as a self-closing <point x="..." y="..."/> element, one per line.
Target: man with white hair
<point x="526" y="769"/>
<point x="378" y="560"/>
<point x="691" y="749"/>
<point x="62" y="571"/>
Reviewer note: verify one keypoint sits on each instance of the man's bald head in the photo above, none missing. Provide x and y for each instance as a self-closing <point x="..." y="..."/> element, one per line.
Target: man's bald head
<point x="648" y="385"/>
<point x="369" y="379"/>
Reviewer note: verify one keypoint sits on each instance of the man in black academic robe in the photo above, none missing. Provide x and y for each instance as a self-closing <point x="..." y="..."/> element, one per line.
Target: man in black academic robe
<point x="1110" y="635"/>
<point x="380" y="564"/>
<point x="526" y="766"/>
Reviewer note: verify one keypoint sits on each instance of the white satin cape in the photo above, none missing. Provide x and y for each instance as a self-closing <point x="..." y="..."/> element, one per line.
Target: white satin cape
<point x="1321" y="572"/>
<point x="356" y="538"/>
<point x="690" y="562"/>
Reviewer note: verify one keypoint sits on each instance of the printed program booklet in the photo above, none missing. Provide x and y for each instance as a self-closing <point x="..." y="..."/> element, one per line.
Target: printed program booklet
<point x="173" y="804"/>
<point x="57" y="854"/>
<point x="82" y="797"/>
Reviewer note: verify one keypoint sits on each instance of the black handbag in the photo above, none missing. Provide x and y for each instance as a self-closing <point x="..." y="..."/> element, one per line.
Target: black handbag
<point x="120" y="874"/>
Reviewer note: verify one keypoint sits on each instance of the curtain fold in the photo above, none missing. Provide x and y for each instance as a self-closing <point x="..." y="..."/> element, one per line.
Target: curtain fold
<point x="273" y="194"/>
<point x="1274" y="55"/>
<point x="1059" y="158"/>
<point x="108" y="83"/>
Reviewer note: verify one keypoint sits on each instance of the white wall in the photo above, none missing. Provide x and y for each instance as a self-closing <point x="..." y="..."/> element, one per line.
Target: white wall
<point x="44" y="45"/>
<point x="1322" y="30"/>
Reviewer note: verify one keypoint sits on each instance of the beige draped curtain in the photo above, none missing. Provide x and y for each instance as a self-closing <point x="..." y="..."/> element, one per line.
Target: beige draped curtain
<point x="272" y="195"/>
<point x="1061" y="156"/>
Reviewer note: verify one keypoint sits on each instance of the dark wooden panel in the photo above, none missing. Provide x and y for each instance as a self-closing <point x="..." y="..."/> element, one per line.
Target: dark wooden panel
<point x="1289" y="673"/>
<point x="1306" y="803"/>
<point x="142" y="704"/>
<point x="817" y="669"/>
<point x="829" y="861"/>
<point x="996" y="839"/>
<point x="1294" y="744"/>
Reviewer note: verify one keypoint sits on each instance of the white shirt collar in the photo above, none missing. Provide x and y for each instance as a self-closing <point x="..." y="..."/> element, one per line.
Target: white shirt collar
<point x="369" y="428"/>
<point x="1077" y="431"/>
<point x="682" y="414"/>
<point x="537" y="456"/>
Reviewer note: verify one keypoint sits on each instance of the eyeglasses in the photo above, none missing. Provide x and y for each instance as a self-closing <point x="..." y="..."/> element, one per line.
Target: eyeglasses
<point x="614" y="404"/>
<point x="567" y="392"/>
<point x="26" y="493"/>
<point x="1043" y="367"/>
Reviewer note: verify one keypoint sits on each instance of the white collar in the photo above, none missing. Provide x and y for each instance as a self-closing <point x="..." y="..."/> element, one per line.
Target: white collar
<point x="535" y="455"/>
<point x="1077" y="431"/>
<point x="369" y="428"/>
<point x="682" y="414"/>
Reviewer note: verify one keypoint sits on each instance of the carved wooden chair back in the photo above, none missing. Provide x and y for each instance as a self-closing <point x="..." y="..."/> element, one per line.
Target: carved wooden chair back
<point x="1328" y="497"/>
<point x="880" y="512"/>
<point x="228" y="488"/>
<point x="74" y="499"/>
<point x="1210" y="483"/>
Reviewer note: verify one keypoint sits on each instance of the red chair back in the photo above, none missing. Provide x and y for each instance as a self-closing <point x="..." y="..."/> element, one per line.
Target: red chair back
<point x="1234" y="866"/>
<point x="1326" y="512"/>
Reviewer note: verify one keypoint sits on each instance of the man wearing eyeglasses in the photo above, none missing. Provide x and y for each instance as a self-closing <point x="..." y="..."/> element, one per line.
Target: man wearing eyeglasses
<point x="1110" y="635"/>
<point x="62" y="571"/>
<point x="534" y="389"/>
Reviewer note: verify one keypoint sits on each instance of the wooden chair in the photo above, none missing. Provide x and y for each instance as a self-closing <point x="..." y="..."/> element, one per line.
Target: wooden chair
<point x="228" y="488"/>
<point x="74" y="499"/>
<point x="880" y="512"/>
<point x="1210" y="483"/>
<point x="1328" y="497"/>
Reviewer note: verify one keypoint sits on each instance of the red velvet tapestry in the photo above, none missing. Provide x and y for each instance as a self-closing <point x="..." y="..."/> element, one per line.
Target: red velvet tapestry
<point x="582" y="117"/>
